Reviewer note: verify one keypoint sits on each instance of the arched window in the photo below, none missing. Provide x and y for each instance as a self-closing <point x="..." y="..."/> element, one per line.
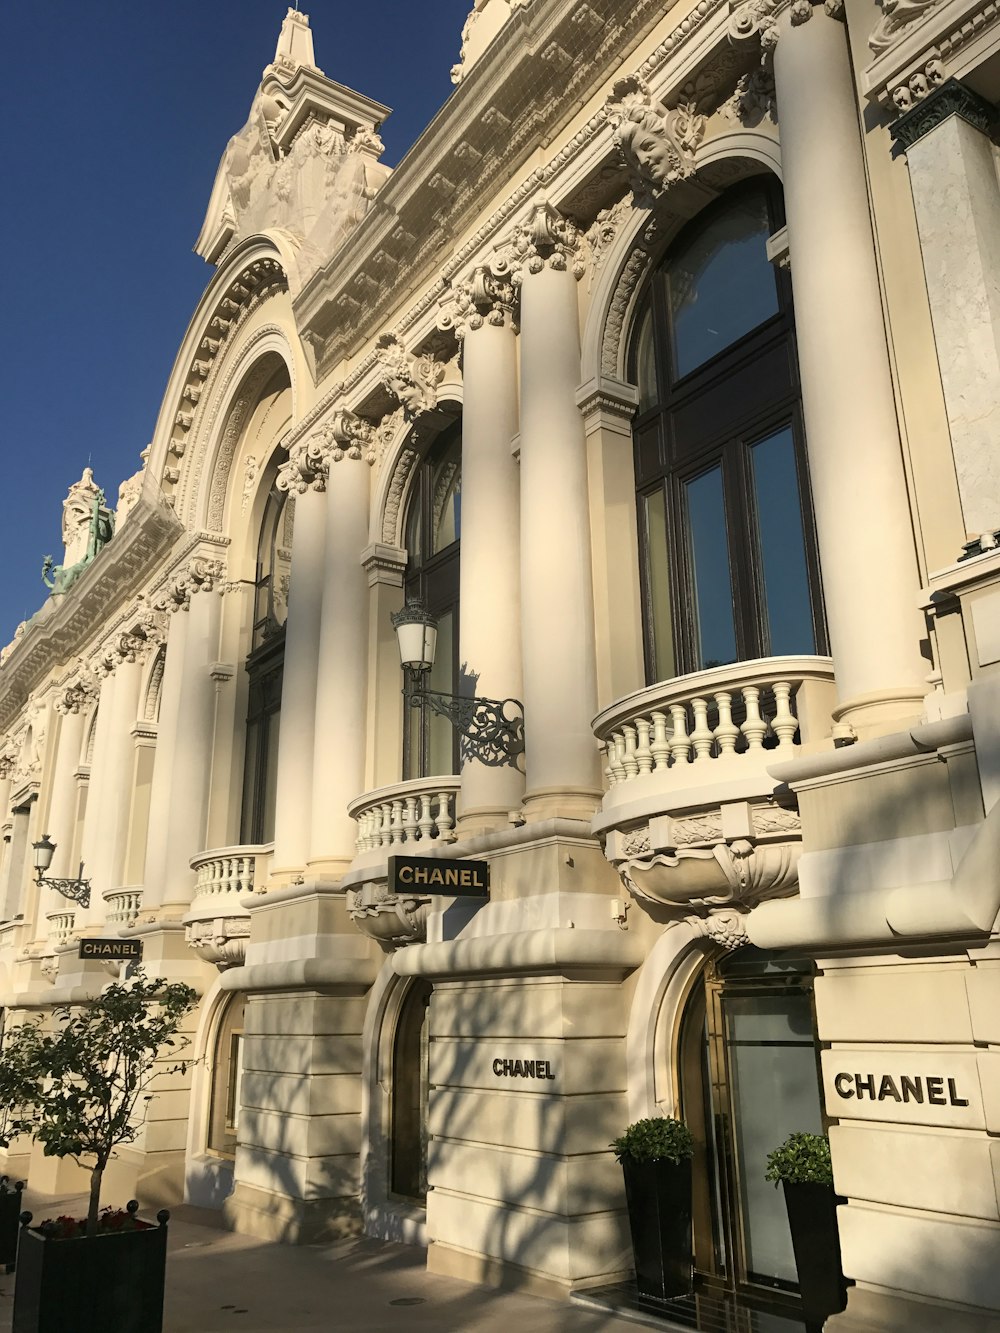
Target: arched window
<point x="264" y="665"/>
<point x="227" y="1074"/>
<point x="410" y="1084"/>
<point x="730" y="569"/>
<point x="433" y="534"/>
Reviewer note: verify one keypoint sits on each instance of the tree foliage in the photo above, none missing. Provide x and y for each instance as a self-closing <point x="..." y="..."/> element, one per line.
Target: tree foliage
<point x="82" y="1090"/>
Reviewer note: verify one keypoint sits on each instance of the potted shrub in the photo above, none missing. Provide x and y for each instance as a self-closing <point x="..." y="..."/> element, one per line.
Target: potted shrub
<point x="82" y="1092"/>
<point x="656" y="1161"/>
<point x="802" y="1167"/>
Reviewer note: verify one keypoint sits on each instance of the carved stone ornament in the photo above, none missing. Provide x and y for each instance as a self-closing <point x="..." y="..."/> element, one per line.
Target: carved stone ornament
<point x="897" y="16"/>
<point x="249" y="478"/>
<point x="753" y="99"/>
<point x="412" y="379"/>
<point x="389" y="918"/>
<point x="200" y="575"/>
<point x="753" y="19"/>
<point x="605" y="227"/>
<point x="544" y="240"/>
<point x="6" y="766"/>
<point x="305" y="468"/>
<point x="658" y="145"/>
<point x="485" y="299"/>
<point x="77" y="696"/>
<point x="221" y="941"/>
<point x="349" y="436"/>
<point x="727" y="927"/>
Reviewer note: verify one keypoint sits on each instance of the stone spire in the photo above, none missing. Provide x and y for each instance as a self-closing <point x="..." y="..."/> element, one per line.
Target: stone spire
<point x="295" y="43"/>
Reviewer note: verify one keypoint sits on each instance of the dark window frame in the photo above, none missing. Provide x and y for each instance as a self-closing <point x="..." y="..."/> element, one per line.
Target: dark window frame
<point x="433" y="577"/>
<point x="663" y="462"/>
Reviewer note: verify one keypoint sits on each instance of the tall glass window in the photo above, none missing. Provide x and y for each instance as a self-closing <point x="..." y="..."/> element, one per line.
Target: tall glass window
<point x="264" y="666"/>
<point x="730" y="569"/>
<point x="433" y="539"/>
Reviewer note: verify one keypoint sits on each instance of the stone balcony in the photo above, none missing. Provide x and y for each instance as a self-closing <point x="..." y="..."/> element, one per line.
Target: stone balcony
<point x="216" y="925"/>
<point x="409" y="818"/>
<point x="690" y="817"/>
<point x="123" y="906"/>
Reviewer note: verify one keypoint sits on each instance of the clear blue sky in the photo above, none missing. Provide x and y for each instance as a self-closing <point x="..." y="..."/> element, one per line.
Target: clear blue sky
<point x="117" y="115"/>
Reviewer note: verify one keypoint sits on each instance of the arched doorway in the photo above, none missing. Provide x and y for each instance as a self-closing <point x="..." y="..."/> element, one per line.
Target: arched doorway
<point x="748" y="1076"/>
<point x="409" y="1091"/>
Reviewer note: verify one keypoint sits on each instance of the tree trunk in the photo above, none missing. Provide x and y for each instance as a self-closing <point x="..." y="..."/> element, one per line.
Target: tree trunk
<point x="95" y="1197"/>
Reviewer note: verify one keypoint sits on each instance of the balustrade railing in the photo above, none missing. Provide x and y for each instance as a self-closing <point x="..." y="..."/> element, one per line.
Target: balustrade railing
<point x="418" y="813"/>
<point x="60" y="927"/>
<point x="123" y="906"/>
<point x="225" y="873"/>
<point x="749" y="710"/>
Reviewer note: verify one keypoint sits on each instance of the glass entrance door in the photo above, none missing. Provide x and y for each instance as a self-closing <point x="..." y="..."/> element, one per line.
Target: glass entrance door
<point x="750" y="1076"/>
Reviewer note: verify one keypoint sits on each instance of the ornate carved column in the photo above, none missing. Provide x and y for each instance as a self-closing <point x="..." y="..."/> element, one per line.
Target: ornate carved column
<point x="482" y="315"/>
<point x="338" y="771"/>
<point x="956" y="197"/>
<point x="557" y="614"/>
<point x="863" y="518"/>
<point x="305" y="474"/>
<point x="183" y="764"/>
<point x="72" y="703"/>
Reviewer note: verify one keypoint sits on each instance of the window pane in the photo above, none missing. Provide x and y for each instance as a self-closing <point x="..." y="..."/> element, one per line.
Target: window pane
<point x="775" y="1091"/>
<point x="247" y="830"/>
<point x="722" y="285"/>
<point x="711" y="589"/>
<point x="658" y="574"/>
<point x="447" y="497"/>
<point x="270" y="793"/>
<point x="645" y="364"/>
<point x="787" y="605"/>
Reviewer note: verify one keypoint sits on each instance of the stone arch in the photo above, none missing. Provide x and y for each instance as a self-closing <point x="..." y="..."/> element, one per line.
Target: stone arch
<point x="383" y="1218"/>
<point x="208" y="1177"/>
<point x="395" y="476"/>
<point x="643" y="236"/>
<point x="153" y="686"/>
<point x="254" y="273"/>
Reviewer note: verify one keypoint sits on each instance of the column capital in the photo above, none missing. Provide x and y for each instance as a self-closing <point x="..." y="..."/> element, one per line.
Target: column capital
<point x="925" y="107"/>
<point x="484" y="298"/>
<point x="305" y="468"/>
<point x="78" y="693"/>
<point x="349" y="436"/>
<point x="202" y="574"/>
<point x="760" y="19"/>
<point x="657" y="144"/>
<point x="545" y="239"/>
<point x="411" y="378"/>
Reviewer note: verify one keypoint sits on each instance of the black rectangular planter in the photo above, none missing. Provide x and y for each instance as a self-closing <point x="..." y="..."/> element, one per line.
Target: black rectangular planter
<point x="812" y="1220"/>
<point x="10" y="1211"/>
<point x="659" y="1215"/>
<point x="108" y="1283"/>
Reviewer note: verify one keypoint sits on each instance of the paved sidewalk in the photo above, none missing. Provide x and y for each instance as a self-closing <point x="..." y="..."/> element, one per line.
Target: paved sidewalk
<point x="218" y="1282"/>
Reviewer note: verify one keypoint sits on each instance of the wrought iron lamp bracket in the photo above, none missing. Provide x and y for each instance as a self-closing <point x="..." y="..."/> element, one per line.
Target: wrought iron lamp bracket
<point x="490" y="730"/>
<point x="76" y="890"/>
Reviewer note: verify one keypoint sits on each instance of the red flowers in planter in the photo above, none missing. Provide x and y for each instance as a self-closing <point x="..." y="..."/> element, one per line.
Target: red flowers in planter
<point x="65" y="1227"/>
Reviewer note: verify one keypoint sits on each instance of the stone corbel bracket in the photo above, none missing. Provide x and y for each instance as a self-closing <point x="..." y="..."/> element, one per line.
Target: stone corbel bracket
<point x="390" y="919"/>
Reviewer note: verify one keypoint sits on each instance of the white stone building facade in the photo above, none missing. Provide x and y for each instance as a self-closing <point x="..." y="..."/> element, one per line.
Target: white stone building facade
<point x="664" y="370"/>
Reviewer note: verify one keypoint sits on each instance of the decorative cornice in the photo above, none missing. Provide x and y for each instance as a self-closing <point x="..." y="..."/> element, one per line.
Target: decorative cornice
<point x="950" y="99"/>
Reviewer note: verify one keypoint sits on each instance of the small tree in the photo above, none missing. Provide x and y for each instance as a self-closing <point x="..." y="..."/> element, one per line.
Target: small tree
<point x="78" y="1091"/>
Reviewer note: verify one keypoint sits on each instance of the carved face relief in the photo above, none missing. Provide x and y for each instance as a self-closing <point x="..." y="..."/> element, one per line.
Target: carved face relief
<point x="649" y="152"/>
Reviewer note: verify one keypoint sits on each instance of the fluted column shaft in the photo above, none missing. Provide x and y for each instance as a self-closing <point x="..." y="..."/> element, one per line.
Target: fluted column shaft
<point x="338" y="768"/>
<point x="296" y="739"/>
<point x="182" y="768"/>
<point x="859" y="488"/>
<point x="490" y="574"/>
<point x="560" y="695"/>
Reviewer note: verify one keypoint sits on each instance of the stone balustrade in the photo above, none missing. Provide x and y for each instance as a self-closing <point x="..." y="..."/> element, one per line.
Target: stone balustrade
<point x="122" y="906"/>
<point x="217" y="925"/>
<point x="60" y="927"/>
<point x="727" y="723"/>
<point x="416" y="815"/>
<point x="228" y="872"/>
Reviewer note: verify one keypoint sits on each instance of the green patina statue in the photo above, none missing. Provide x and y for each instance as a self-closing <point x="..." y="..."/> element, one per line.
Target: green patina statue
<point x="88" y="526"/>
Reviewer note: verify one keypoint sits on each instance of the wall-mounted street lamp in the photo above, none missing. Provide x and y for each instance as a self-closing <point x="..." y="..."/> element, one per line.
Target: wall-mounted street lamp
<point x="78" y="890"/>
<point x="491" y="730"/>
